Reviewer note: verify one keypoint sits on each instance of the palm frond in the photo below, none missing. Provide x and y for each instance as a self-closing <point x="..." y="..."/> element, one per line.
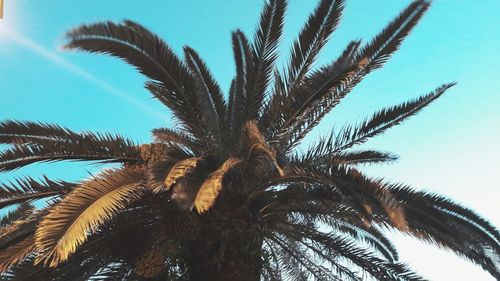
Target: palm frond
<point x="187" y="109"/>
<point x="21" y="211"/>
<point x="91" y="147"/>
<point x="28" y="189"/>
<point x="374" y="196"/>
<point x="152" y="57"/>
<point x="363" y="157"/>
<point x="18" y="132"/>
<point x="266" y="40"/>
<point x="32" y="134"/>
<point x="134" y="44"/>
<point x="337" y="246"/>
<point x="298" y="263"/>
<point x="205" y="85"/>
<point x="373" y="237"/>
<point x="178" y="137"/>
<point x="328" y="90"/>
<point x="230" y="115"/>
<point x="157" y="170"/>
<point x="312" y="38"/>
<point x="180" y="170"/>
<point x="244" y="60"/>
<point x="83" y="211"/>
<point x="382" y="46"/>
<point x="308" y="104"/>
<point x="16" y="240"/>
<point x="255" y="146"/>
<point x="117" y="270"/>
<point x="367" y="196"/>
<point x="209" y="190"/>
<point x="18" y="230"/>
<point x="441" y="221"/>
<point x="16" y="253"/>
<point x="208" y="84"/>
<point x="385" y="119"/>
<point x="325" y="151"/>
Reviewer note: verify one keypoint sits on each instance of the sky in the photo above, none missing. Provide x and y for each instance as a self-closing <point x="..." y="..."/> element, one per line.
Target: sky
<point x="452" y="148"/>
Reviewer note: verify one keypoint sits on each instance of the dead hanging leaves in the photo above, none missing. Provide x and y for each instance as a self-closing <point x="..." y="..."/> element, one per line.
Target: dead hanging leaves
<point x="256" y="148"/>
<point x="210" y="188"/>
<point x="191" y="187"/>
<point x="180" y="170"/>
<point x="195" y="184"/>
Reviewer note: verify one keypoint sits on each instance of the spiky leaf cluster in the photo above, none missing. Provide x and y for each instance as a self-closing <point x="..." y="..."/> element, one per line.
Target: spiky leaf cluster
<point x="226" y="195"/>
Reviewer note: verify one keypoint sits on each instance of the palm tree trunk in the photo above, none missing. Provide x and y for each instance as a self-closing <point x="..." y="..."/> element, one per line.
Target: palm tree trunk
<point x="236" y="269"/>
<point x="242" y="268"/>
<point x="228" y="250"/>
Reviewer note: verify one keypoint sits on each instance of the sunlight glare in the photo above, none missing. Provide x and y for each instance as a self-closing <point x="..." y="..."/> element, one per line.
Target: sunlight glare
<point x="7" y="22"/>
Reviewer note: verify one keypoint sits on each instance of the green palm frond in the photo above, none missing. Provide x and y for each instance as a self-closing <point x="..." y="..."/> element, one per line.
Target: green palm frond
<point x="325" y="152"/>
<point x="19" y="132"/>
<point x="152" y="57"/>
<point x="244" y="58"/>
<point x="336" y="246"/>
<point x="441" y="221"/>
<point x="177" y="137"/>
<point x="264" y="50"/>
<point x="327" y="90"/>
<point x="305" y="50"/>
<point x="91" y="147"/>
<point x="28" y="189"/>
<point x="385" y="119"/>
<point x="213" y="98"/>
<point x="308" y="105"/>
<point x="21" y="211"/>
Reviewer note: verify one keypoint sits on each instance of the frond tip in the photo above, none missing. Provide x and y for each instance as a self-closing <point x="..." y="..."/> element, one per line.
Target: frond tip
<point x="385" y="119"/>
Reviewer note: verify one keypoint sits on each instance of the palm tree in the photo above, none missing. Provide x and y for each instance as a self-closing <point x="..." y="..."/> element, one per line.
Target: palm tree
<point x="226" y="195"/>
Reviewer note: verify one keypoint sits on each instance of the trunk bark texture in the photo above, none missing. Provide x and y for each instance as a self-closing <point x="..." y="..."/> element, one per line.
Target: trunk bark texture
<point x="229" y="249"/>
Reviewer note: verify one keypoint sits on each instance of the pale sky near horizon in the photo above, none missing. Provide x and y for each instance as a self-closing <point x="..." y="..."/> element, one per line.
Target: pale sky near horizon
<point x="451" y="148"/>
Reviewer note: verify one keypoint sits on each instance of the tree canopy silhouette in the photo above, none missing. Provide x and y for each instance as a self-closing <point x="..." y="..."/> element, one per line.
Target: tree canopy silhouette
<point x="226" y="195"/>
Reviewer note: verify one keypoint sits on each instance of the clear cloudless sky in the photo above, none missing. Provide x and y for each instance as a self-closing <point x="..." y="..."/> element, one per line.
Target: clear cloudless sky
<point x="451" y="148"/>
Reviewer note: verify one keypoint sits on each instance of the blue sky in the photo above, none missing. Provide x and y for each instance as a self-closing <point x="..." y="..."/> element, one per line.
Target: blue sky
<point x="451" y="148"/>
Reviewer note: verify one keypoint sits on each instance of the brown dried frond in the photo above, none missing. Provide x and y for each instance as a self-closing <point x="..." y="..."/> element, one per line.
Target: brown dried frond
<point x="254" y="143"/>
<point x="16" y="253"/>
<point x="153" y="152"/>
<point x="20" y="228"/>
<point x="251" y="135"/>
<point x="83" y="211"/>
<point x="210" y="188"/>
<point x="178" y="171"/>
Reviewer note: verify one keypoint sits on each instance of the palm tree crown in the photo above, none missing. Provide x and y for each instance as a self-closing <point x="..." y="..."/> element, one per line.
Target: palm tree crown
<point x="226" y="195"/>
